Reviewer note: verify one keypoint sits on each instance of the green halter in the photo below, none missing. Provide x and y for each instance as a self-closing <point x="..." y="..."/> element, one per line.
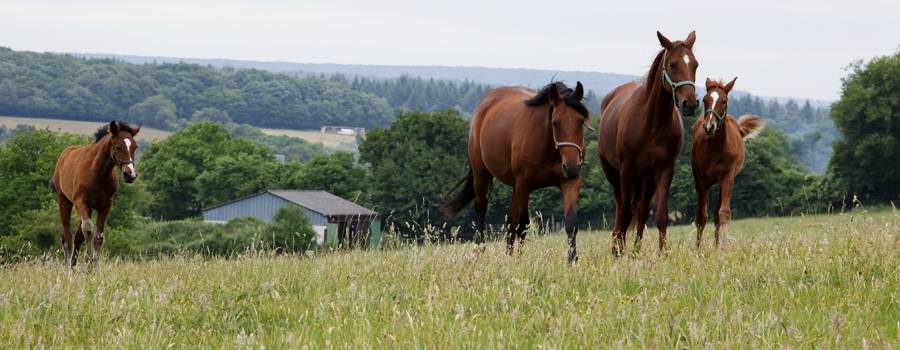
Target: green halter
<point x="674" y="85"/>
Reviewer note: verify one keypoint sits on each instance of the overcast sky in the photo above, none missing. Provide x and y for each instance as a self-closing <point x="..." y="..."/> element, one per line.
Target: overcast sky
<point x="776" y="48"/>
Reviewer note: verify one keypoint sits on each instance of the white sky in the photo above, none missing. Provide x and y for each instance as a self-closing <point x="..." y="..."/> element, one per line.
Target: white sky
<point x="776" y="48"/>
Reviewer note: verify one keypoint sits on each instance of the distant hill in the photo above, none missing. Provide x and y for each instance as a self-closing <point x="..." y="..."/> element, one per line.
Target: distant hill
<point x="600" y="83"/>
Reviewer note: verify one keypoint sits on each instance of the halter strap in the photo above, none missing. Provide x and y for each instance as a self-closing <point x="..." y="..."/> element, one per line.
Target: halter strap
<point x="668" y="81"/>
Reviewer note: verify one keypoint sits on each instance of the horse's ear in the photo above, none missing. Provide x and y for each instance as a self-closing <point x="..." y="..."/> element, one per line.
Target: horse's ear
<point x="579" y="91"/>
<point x="730" y="85"/>
<point x="690" y="39"/>
<point x="710" y="84"/>
<point x="665" y="42"/>
<point x="136" y="130"/>
<point x="553" y="93"/>
<point x="113" y="128"/>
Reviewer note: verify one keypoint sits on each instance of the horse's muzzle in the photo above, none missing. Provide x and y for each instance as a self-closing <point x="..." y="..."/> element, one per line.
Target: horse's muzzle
<point x="128" y="177"/>
<point x="571" y="173"/>
<point x="689" y="107"/>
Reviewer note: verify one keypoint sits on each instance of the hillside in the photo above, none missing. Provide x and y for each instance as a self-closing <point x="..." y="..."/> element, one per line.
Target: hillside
<point x="803" y="282"/>
<point x="600" y="83"/>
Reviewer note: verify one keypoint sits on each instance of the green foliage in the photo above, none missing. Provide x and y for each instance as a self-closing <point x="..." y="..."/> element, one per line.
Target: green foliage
<point x="415" y="162"/>
<point x="156" y="111"/>
<point x="210" y="114"/>
<point x="865" y="160"/>
<point x="290" y="230"/>
<point x="27" y="163"/>
<point x="201" y="165"/>
<point x="337" y="173"/>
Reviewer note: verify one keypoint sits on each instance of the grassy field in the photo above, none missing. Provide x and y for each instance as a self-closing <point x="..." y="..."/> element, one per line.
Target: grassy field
<point x="810" y="282"/>
<point x="334" y="141"/>
<point x="76" y="127"/>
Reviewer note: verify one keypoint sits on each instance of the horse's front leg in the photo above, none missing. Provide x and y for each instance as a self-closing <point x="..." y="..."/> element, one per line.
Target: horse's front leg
<point x="97" y="240"/>
<point x="702" y="205"/>
<point x="663" y="180"/>
<point x="87" y="226"/>
<point x="570" y="190"/>
<point x="724" y="212"/>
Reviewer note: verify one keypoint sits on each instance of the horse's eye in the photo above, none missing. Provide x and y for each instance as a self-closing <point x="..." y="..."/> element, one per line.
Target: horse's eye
<point x="555" y="123"/>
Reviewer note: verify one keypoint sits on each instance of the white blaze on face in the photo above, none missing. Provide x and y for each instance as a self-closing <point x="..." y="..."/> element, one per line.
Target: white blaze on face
<point x="687" y="59"/>
<point x="715" y="97"/>
<point x="130" y="166"/>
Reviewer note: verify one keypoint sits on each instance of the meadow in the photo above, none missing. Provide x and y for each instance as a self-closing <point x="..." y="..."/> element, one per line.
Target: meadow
<point x="826" y="281"/>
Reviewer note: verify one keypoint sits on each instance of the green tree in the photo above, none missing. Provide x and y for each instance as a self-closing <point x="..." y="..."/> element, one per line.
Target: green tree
<point x="210" y="114"/>
<point x="290" y="230"/>
<point x="171" y="168"/>
<point x="156" y="111"/>
<point x="27" y="163"/>
<point x="231" y="176"/>
<point x="415" y="162"/>
<point x="337" y="173"/>
<point x="865" y="160"/>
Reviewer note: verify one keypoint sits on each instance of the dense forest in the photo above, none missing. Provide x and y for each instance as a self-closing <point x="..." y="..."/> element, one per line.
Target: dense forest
<point x="169" y="95"/>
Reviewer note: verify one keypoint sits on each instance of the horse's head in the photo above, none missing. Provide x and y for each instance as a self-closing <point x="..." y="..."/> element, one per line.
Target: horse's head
<point x="567" y="120"/>
<point x="679" y="71"/>
<point x="122" y="147"/>
<point x="716" y="104"/>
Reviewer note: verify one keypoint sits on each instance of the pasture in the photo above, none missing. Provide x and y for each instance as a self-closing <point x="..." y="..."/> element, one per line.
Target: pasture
<point x="77" y="127"/>
<point x="829" y="281"/>
<point x="150" y="134"/>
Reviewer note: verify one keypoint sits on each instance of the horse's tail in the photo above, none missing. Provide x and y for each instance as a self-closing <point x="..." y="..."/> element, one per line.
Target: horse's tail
<point x="750" y="126"/>
<point x="454" y="204"/>
<point x="52" y="185"/>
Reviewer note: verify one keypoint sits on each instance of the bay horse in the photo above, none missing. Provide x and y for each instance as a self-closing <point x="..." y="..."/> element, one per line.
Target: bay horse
<point x="86" y="179"/>
<point x="718" y="154"/>
<point x="641" y="135"/>
<point x="528" y="140"/>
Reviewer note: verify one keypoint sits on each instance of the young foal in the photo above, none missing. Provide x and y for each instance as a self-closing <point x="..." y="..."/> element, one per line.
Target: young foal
<point x="86" y="178"/>
<point x="718" y="153"/>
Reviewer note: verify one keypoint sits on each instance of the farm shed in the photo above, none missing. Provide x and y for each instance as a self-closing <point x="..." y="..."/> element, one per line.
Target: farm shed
<point x="337" y="221"/>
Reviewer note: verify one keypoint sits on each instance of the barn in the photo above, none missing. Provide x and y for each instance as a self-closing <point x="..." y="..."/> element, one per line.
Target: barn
<point x="337" y="221"/>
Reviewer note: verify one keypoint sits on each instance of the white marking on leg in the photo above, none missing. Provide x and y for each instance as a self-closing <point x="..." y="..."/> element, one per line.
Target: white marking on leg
<point x="686" y="58"/>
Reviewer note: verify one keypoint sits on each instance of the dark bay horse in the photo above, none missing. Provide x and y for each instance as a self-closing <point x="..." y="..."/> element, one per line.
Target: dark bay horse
<point x="641" y="135"/>
<point x="86" y="178"/>
<point x="718" y="154"/>
<point x="528" y="140"/>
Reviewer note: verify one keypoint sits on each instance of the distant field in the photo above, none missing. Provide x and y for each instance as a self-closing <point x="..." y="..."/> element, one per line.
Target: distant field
<point x="315" y="136"/>
<point x="88" y="128"/>
<point x="76" y="127"/>
<point x="825" y="281"/>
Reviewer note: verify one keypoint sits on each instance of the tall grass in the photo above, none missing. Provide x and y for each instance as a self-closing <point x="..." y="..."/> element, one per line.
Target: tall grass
<point x="806" y="282"/>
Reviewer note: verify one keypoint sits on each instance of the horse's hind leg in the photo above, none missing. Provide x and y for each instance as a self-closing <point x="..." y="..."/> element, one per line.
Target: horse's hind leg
<point x="625" y="213"/>
<point x="612" y="176"/>
<point x="65" y="216"/>
<point x="482" y="185"/>
<point x="517" y="218"/>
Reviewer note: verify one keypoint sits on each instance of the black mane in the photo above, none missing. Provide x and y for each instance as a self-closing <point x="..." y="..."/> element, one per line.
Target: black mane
<point x="103" y="130"/>
<point x="567" y="93"/>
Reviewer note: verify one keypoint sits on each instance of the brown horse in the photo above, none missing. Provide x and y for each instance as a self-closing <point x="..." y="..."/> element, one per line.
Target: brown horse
<point x="86" y="178"/>
<point x="641" y="134"/>
<point x="528" y="140"/>
<point x="718" y="154"/>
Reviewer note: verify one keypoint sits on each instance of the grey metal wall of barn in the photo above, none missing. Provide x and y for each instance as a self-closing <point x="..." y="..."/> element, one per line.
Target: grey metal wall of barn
<point x="263" y="207"/>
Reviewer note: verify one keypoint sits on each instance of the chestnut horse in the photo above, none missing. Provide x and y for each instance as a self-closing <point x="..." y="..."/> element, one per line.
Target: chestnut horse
<point x="528" y="140"/>
<point x="86" y="178"/>
<point x="641" y="135"/>
<point x="718" y="154"/>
